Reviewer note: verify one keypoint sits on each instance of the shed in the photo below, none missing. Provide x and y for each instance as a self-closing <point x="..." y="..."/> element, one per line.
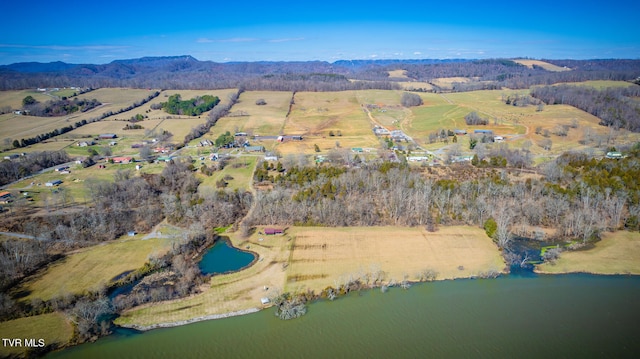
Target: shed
<point x="273" y="231"/>
<point x="265" y="300"/>
<point x="53" y="183"/>
<point x="107" y="136"/>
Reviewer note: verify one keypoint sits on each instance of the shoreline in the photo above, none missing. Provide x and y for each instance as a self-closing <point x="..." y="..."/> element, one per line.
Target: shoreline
<point x="536" y="270"/>
<point x="144" y="328"/>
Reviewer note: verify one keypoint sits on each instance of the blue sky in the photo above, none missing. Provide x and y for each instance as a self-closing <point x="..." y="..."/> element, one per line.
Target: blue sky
<point x="84" y="32"/>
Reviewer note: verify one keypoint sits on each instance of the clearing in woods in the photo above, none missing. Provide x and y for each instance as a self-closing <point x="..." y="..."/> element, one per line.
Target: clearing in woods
<point x="89" y="269"/>
<point x="545" y="65"/>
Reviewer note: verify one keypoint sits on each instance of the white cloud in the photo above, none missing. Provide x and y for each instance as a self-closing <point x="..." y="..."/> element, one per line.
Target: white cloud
<point x="287" y="39"/>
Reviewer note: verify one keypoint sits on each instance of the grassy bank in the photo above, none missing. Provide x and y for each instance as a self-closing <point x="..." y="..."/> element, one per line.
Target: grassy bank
<point x="616" y="253"/>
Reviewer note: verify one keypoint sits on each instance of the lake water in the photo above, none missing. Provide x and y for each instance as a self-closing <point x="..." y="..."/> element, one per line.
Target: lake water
<point x="515" y="316"/>
<point x="223" y="258"/>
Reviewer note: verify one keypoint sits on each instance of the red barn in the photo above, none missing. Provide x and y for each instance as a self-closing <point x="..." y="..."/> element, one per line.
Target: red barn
<point x="272" y="231"/>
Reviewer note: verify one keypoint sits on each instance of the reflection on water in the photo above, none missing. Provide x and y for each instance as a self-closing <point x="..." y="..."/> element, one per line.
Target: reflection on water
<point x="513" y="316"/>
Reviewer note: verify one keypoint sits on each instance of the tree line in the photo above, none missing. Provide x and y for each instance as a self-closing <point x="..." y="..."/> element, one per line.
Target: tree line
<point x="580" y="202"/>
<point x="615" y="107"/>
<point x="58" y="107"/>
<point x="29" y="164"/>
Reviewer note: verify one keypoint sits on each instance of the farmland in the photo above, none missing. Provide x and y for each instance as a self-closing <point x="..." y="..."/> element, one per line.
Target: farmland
<point x="315" y="115"/>
<point x="297" y="261"/>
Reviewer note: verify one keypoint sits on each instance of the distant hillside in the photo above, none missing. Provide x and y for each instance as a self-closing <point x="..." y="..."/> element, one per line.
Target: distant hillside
<point x="186" y="72"/>
<point x="34" y="67"/>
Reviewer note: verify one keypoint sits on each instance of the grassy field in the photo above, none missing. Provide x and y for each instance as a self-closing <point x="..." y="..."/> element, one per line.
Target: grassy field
<point x="14" y="99"/>
<point x="90" y="268"/>
<point x="447" y="82"/>
<point x="616" y="253"/>
<point x="240" y="169"/>
<point x="601" y="84"/>
<point x="545" y="65"/>
<point x="17" y="127"/>
<point x="265" y="120"/>
<point x="53" y="328"/>
<point x="325" y="256"/>
<point x="315" y="114"/>
<point x="297" y="261"/>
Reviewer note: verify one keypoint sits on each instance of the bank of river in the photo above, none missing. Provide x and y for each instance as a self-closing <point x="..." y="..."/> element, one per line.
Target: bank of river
<point x="512" y="316"/>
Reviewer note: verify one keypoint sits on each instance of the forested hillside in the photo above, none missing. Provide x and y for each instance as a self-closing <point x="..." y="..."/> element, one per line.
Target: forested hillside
<point x="184" y="72"/>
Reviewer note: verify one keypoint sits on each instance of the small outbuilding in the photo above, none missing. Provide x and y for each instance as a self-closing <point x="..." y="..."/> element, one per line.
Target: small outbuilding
<point x="53" y="183"/>
<point x="273" y="231"/>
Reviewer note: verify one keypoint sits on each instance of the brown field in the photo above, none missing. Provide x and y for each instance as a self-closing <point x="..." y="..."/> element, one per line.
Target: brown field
<point x="54" y="328"/>
<point x="266" y="120"/>
<point x="545" y="65"/>
<point x="315" y="114"/>
<point x="616" y="253"/>
<point x="398" y="74"/>
<point x="17" y="127"/>
<point x="326" y="256"/>
<point x="297" y="261"/>
<point x="447" y="82"/>
<point x="14" y="99"/>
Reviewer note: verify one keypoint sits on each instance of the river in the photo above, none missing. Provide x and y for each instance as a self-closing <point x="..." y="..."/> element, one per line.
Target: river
<point x="515" y="316"/>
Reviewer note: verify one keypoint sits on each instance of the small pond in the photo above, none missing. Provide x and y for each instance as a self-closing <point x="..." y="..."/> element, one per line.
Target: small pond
<point x="224" y="258"/>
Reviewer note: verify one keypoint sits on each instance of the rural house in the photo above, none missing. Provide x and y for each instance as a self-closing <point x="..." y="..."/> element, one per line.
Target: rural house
<point x="5" y="197"/>
<point x="123" y="160"/>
